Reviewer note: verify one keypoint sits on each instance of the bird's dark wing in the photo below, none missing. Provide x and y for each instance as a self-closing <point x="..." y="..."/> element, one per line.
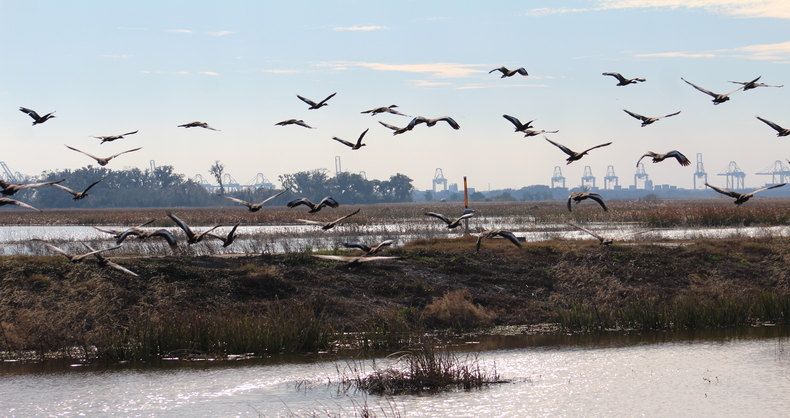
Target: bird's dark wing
<point x="636" y="115"/>
<point x="511" y="237"/>
<point x="440" y="216"/>
<point x="30" y="112"/>
<point x="514" y="121"/>
<point x="248" y="204"/>
<point x="357" y="245"/>
<point x="124" y="152"/>
<point x="577" y="226"/>
<point x="618" y="76"/>
<point x="560" y="146"/>
<point x="767" y="188"/>
<point x="91" y="185"/>
<point x="708" y="92"/>
<point x="416" y="121"/>
<point x="597" y="146"/>
<point x="503" y="70"/>
<point x="450" y="121"/>
<point x="771" y="124"/>
<point x="359" y="141"/>
<point x="329" y="201"/>
<point x="181" y="225"/>
<point x="275" y="196"/>
<point x="171" y="240"/>
<point x="83" y="152"/>
<point x="343" y="141"/>
<point x="66" y="189"/>
<point x="724" y="191"/>
<point x="7" y="201"/>
<point x="671" y="114"/>
<point x="302" y="201"/>
<point x="345" y="217"/>
<point x="680" y="157"/>
<point x="328" y="97"/>
<point x="596" y="197"/>
<point x="308" y="101"/>
<point x="522" y="71"/>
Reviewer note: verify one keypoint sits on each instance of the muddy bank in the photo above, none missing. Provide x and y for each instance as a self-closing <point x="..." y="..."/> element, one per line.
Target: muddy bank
<point x="47" y="304"/>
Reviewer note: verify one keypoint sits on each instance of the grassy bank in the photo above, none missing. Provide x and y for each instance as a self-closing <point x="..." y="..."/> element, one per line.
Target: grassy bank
<point x="183" y="306"/>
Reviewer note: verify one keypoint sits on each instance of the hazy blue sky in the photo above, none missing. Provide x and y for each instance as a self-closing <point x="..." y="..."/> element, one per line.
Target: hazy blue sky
<point x="113" y="67"/>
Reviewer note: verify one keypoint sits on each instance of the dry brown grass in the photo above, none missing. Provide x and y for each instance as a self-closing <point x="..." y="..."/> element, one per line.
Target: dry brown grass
<point x="456" y="310"/>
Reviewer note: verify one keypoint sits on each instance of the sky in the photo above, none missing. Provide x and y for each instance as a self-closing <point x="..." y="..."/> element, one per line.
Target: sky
<point x="108" y="68"/>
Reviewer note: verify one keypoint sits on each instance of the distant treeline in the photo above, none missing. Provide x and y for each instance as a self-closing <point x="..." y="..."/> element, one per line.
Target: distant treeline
<point x="162" y="187"/>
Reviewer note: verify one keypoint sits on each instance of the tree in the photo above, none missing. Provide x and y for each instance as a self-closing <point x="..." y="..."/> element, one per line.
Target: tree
<point x="217" y="170"/>
<point x="401" y="187"/>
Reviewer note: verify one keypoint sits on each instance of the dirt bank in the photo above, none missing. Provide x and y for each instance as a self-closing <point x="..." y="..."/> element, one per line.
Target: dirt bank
<point x="47" y="303"/>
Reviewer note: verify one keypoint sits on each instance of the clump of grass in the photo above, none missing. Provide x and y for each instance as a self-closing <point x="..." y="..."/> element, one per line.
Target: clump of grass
<point x="456" y="310"/>
<point x="424" y="369"/>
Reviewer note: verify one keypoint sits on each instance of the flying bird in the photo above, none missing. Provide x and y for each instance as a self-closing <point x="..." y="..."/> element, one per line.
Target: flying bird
<point x="573" y="155"/>
<point x="79" y="195"/>
<point x="529" y="132"/>
<point x="192" y="237"/>
<point x="577" y="197"/>
<point x="491" y="233"/>
<point x="717" y="98"/>
<point x="741" y="198"/>
<point x="748" y="85"/>
<point x="622" y="81"/>
<point x="327" y="201"/>
<point x="331" y="224"/>
<point x="431" y="122"/>
<point x="353" y="146"/>
<point x="74" y="258"/>
<point x="657" y="158"/>
<point x="779" y="130"/>
<point x="509" y="73"/>
<point x="607" y="241"/>
<point x="395" y="129"/>
<point x="648" y="120"/>
<point x="117" y="234"/>
<point x="253" y="207"/>
<point x="314" y="105"/>
<point x="197" y="125"/>
<point x="103" y="262"/>
<point x="451" y="224"/>
<point x="36" y="118"/>
<point x="294" y="122"/>
<point x="354" y="261"/>
<point x="10" y="189"/>
<point x="520" y="127"/>
<point x="228" y="239"/>
<point x="6" y="201"/>
<point x="113" y="137"/>
<point x="369" y="250"/>
<point x="388" y="109"/>
<point x="103" y="161"/>
<point x="143" y="234"/>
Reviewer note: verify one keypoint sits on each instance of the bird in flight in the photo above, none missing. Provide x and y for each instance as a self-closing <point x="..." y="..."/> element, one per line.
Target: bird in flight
<point x="143" y="234"/>
<point x="353" y="146"/>
<point x="10" y="189"/>
<point x="113" y="137"/>
<point x="622" y="81"/>
<point x="648" y="120"/>
<point x="327" y="201"/>
<point x="103" y="262"/>
<point x="228" y="239"/>
<point x="577" y="197"/>
<point x="529" y="132"/>
<point x="6" y="201"/>
<point x="192" y="237"/>
<point x="369" y="250"/>
<point x="117" y="234"/>
<point x="197" y="125"/>
<point x="388" y="109"/>
<point x="79" y="195"/>
<point x="748" y="85"/>
<point x="103" y="161"/>
<point x="451" y="224"/>
<point x="431" y="122"/>
<point x="741" y="198"/>
<point x="717" y="98"/>
<point x="314" y="105"/>
<point x="74" y="258"/>
<point x="573" y="155"/>
<point x="491" y="233"/>
<point x="395" y="129"/>
<point x="36" y="118"/>
<point x="779" y="130"/>
<point x="607" y="241"/>
<point x="253" y="207"/>
<point x="509" y="73"/>
<point x="294" y="122"/>
<point x="657" y="158"/>
<point x="331" y="224"/>
<point x="354" y="261"/>
<point x="520" y="127"/>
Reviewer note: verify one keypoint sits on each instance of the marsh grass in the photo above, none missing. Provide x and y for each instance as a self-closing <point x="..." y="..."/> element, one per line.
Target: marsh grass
<point x="426" y="368"/>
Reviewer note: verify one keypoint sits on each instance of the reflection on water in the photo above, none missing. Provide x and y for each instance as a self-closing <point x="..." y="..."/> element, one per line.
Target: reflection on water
<point x="733" y="372"/>
<point x="15" y="240"/>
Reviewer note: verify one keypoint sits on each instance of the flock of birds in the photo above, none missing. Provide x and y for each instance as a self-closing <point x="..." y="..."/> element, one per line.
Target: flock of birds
<point x="369" y="253"/>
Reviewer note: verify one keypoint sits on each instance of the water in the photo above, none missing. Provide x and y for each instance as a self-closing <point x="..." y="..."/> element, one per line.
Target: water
<point x="15" y="240"/>
<point x="743" y="372"/>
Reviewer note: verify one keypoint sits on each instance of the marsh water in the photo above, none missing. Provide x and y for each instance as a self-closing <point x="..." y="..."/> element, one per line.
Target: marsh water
<point x="731" y="372"/>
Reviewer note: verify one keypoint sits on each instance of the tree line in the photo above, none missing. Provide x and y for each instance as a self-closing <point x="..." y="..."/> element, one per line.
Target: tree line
<point x="162" y="187"/>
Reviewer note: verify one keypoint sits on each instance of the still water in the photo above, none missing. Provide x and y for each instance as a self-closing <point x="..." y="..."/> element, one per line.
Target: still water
<point x="734" y="372"/>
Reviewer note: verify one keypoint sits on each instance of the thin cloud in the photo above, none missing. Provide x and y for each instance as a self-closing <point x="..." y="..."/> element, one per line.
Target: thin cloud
<point x="179" y="31"/>
<point x="498" y="86"/>
<point x="208" y="73"/>
<point x="360" y="28"/>
<point x="116" y="56"/>
<point x="283" y="71"/>
<point x="165" y="72"/>
<point x="779" y="52"/>
<point x="438" y="70"/>
<point x="425" y="83"/>
<point x="779" y="9"/>
<point x="220" y="33"/>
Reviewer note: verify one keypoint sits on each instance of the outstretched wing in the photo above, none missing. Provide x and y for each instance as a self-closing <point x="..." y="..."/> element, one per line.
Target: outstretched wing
<point x="671" y="114"/>
<point x="275" y="196"/>
<point x="87" y="188"/>
<point x="33" y="114"/>
<point x="724" y="191"/>
<point x="450" y="121"/>
<point x="597" y="146"/>
<point x="636" y="115"/>
<point x="510" y="236"/>
<point x="680" y="157"/>
<point x="596" y="197"/>
<point x="329" y="201"/>
<point x="357" y="245"/>
<point x="302" y="201"/>
<point x="416" y="121"/>
<point x="577" y="226"/>
<point x="346" y="217"/>
<point x="248" y="204"/>
<point x="83" y="152"/>
<point x="767" y="188"/>
<point x="440" y="216"/>
<point x="359" y="141"/>
<point x="308" y="101"/>
<point x="560" y="146"/>
<point x="343" y="141"/>
<point x="515" y="122"/>
<point x="708" y="92"/>
<point x="618" y="76"/>
<point x="182" y="225"/>
<point x="771" y="124"/>
<point x="124" y="152"/>
<point x="328" y="97"/>
<point x="54" y="248"/>
<point x="7" y="201"/>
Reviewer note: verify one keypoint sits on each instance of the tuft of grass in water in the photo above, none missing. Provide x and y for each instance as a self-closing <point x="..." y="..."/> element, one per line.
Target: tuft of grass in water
<point x="457" y="311"/>
<point x="425" y="368"/>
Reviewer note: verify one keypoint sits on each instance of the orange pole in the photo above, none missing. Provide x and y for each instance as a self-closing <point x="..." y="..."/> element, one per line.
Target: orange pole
<point x="466" y="195"/>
